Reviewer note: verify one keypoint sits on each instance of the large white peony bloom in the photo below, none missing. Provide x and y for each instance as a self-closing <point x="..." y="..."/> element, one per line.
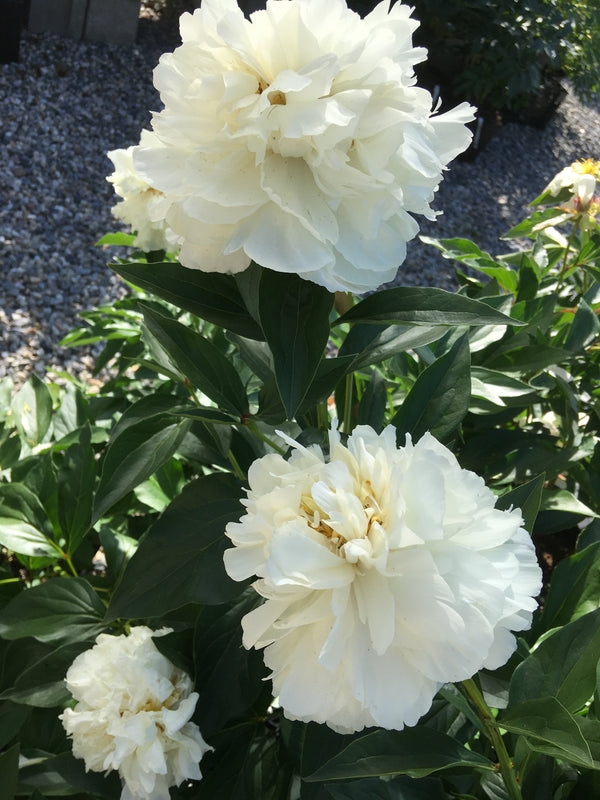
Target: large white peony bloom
<point x="133" y="715"/>
<point x="298" y="139"/>
<point x="142" y="207"/>
<point x="386" y="572"/>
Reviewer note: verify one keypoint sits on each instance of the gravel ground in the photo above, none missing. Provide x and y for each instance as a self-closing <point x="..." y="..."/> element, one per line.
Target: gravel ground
<point x="65" y="103"/>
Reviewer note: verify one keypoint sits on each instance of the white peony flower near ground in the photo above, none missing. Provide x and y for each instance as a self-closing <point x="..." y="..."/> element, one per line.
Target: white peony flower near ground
<point x="298" y="139"/>
<point x="141" y="206"/>
<point x="133" y="715"/>
<point x="386" y="573"/>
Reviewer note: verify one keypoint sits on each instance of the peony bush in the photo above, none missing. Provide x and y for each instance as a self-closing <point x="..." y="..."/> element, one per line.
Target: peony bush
<point x="303" y="545"/>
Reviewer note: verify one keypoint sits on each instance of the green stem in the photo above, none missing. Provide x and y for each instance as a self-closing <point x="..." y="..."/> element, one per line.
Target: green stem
<point x="236" y="467"/>
<point x="348" y="403"/>
<point x="253" y="428"/>
<point x="10" y="580"/>
<point x="506" y="765"/>
<point x="567" y="251"/>
<point x="67" y="558"/>
<point x="322" y="416"/>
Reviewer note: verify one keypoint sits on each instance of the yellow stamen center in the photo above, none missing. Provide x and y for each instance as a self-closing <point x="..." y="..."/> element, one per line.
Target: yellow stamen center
<point x="277" y="98"/>
<point x="587" y="167"/>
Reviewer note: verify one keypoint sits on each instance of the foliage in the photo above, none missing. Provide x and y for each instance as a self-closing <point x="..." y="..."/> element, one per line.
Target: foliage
<point x="503" y="52"/>
<point x="113" y="505"/>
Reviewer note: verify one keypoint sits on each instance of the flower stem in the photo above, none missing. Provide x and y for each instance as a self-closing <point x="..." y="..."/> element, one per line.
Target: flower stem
<point x="70" y="564"/>
<point x="567" y="251"/>
<point x="236" y="467"/>
<point x="348" y="403"/>
<point x="253" y="428"/>
<point x="506" y="765"/>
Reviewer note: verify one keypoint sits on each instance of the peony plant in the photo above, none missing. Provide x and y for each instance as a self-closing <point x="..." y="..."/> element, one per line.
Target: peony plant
<point x="303" y="545"/>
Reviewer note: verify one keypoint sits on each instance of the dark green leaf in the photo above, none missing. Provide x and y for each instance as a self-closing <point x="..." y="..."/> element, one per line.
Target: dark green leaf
<point x="12" y="716"/>
<point x="562" y="666"/>
<point x="43" y="683"/>
<point x="134" y="455"/>
<point x="371" y="409"/>
<point x="329" y="372"/>
<point x="370" y="344"/>
<point x="528" y="360"/>
<point x="549" y="729"/>
<point x="71" y="414"/>
<point x="256" y="355"/>
<point x="400" y="788"/>
<point x="62" y="774"/>
<point x="24" y="524"/>
<point x="208" y="295"/>
<point x="9" y="771"/>
<point x="229" y="678"/>
<point x="199" y="360"/>
<point x="424" y="306"/>
<point x="439" y="399"/>
<point x="294" y="315"/>
<point x="180" y="558"/>
<point x="584" y="328"/>
<point x="210" y="415"/>
<point x="574" y="590"/>
<point x="244" y="766"/>
<point x="118" y="549"/>
<point x="62" y="609"/>
<point x="76" y="479"/>
<point x="10" y="450"/>
<point x="32" y="410"/>
<point x="417" y="752"/>
<point x="527" y="497"/>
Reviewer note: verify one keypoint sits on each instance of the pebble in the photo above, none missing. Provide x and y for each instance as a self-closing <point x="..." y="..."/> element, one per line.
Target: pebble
<point x="66" y="102"/>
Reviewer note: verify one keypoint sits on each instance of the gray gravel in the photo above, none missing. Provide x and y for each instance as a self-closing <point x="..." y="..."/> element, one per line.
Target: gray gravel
<point x="67" y="102"/>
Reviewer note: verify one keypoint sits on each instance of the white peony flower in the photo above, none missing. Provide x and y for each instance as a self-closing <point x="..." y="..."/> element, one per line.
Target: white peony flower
<point x="142" y="207"/>
<point x="580" y="179"/>
<point x="133" y="715"/>
<point x="298" y="139"/>
<point x="386" y="572"/>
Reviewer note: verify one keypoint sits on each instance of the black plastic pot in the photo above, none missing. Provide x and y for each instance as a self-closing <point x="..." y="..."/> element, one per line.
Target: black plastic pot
<point x="12" y="19"/>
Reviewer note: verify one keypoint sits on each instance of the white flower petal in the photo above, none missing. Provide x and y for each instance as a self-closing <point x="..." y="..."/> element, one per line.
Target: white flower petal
<point x="300" y="137"/>
<point x="133" y="715"/>
<point x="389" y="573"/>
